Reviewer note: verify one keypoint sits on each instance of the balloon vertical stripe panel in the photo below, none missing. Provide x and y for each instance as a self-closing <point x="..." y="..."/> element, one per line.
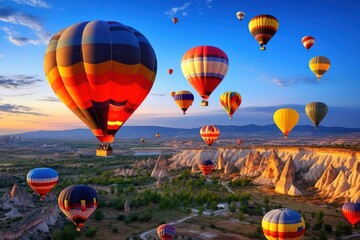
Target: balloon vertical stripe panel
<point x="102" y="71"/>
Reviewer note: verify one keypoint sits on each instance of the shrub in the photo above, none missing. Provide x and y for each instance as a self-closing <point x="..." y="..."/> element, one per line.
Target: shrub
<point x="91" y="232"/>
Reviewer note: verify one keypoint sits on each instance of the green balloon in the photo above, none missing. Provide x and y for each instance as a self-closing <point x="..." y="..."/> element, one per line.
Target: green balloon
<point x="316" y="112"/>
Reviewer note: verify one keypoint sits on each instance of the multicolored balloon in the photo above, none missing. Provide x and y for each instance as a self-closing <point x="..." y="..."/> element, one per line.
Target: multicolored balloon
<point x="230" y="101"/>
<point x="157" y="135"/>
<point x="283" y="224"/>
<point x="78" y="202"/>
<point x="184" y="99"/>
<point x="166" y="232"/>
<point x="102" y="71"/>
<point x="351" y="211"/>
<point x="239" y="141"/>
<point x="240" y="15"/>
<point x="204" y="67"/>
<point x="206" y="167"/>
<point x="42" y="180"/>
<point x="308" y="41"/>
<point x="175" y="20"/>
<point x="263" y="27"/>
<point x="209" y="134"/>
<point x="172" y="94"/>
<point x="142" y="140"/>
<point x="316" y="112"/>
<point x="286" y="119"/>
<point x="319" y="66"/>
<point x="170" y="71"/>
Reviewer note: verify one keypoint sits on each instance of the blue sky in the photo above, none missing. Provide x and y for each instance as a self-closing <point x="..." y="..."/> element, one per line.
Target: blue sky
<point x="266" y="80"/>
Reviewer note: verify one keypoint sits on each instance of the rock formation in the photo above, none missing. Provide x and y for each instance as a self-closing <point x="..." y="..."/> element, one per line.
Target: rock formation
<point x="220" y="162"/>
<point x="328" y="177"/>
<point x="19" y="197"/>
<point x="127" y="207"/>
<point x="338" y="186"/>
<point x="194" y="168"/>
<point x="285" y="185"/>
<point x="272" y="171"/>
<point x="160" y="169"/>
<point x="228" y="168"/>
<point x="252" y="163"/>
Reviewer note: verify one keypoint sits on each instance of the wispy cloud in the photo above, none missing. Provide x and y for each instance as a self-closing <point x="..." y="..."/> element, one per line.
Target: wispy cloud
<point x="33" y="3"/>
<point x="49" y="99"/>
<point x="209" y="3"/>
<point x="1" y="55"/>
<point x="289" y="81"/>
<point x="18" y="81"/>
<point x="11" y="16"/>
<point x="19" y="109"/>
<point x="178" y="10"/>
<point x="158" y="94"/>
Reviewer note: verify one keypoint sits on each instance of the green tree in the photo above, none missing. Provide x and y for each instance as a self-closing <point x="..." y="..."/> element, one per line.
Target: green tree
<point x="91" y="232"/>
<point x="98" y="215"/>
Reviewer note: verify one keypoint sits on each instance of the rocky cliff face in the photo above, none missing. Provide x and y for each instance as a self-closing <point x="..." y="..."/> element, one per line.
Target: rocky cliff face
<point x="160" y="169"/>
<point x="285" y="185"/>
<point x="317" y="166"/>
<point x="19" y="197"/>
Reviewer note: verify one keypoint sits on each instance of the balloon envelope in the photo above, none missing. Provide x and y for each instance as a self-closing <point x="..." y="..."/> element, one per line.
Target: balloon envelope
<point x="170" y="71"/>
<point x="351" y="211"/>
<point x="240" y="15"/>
<point x="184" y="99"/>
<point x="319" y="66"/>
<point x="204" y="67"/>
<point x="42" y="180"/>
<point x="308" y="42"/>
<point x="283" y="224"/>
<point x="157" y="135"/>
<point x="175" y="20"/>
<point x="102" y="71"/>
<point x="209" y="134"/>
<point x="230" y="101"/>
<point x="286" y="119"/>
<point x="263" y="27"/>
<point x="78" y="202"/>
<point x="166" y="232"/>
<point x="316" y="112"/>
<point x="206" y="167"/>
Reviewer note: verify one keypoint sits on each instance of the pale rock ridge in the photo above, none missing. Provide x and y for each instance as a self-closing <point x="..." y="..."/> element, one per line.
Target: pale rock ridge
<point x="160" y="169"/>
<point x="220" y="162"/>
<point x="285" y="185"/>
<point x="354" y="176"/>
<point x="338" y="186"/>
<point x="327" y="177"/>
<point x="272" y="171"/>
<point x="19" y="197"/>
<point x="228" y="168"/>
<point x="194" y="168"/>
<point x="251" y="166"/>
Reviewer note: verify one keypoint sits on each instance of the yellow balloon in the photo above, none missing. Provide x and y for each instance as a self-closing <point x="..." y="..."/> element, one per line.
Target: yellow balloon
<point x="319" y="65"/>
<point x="286" y="119"/>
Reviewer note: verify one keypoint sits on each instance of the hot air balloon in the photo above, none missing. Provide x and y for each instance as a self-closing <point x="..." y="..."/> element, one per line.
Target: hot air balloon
<point x="239" y="141"/>
<point x="166" y="232"/>
<point x="308" y="42"/>
<point x="78" y="202"/>
<point x="142" y="140"/>
<point x="206" y="167"/>
<point x="172" y="94"/>
<point x="230" y="101"/>
<point x="283" y="224"/>
<point x="157" y="135"/>
<point x="240" y="15"/>
<point x="170" y="71"/>
<point x="175" y="20"/>
<point x="42" y="180"/>
<point x="319" y="65"/>
<point x="316" y="111"/>
<point x="184" y="99"/>
<point x="204" y="67"/>
<point x="102" y="71"/>
<point x="263" y="27"/>
<point x="209" y="133"/>
<point x="286" y="119"/>
<point x="351" y="211"/>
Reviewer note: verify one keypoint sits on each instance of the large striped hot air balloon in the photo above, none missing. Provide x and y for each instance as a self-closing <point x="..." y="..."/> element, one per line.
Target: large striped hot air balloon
<point x="319" y="66"/>
<point x="206" y="167"/>
<point x="166" y="232"/>
<point x="351" y="211"/>
<point x="42" y="180"/>
<point x="204" y="67"/>
<point x="316" y="112"/>
<point x="102" y="71"/>
<point x="283" y="224"/>
<point x="78" y="202"/>
<point x="308" y="41"/>
<point x="230" y="101"/>
<point x="209" y="134"/>
<point x="286" y="119"/>
<point x="263" y="27"/>
<point x="184" y="99"/>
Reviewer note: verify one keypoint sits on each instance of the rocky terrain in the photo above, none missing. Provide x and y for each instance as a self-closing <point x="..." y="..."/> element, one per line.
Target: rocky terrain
<point x="333" y="172"/>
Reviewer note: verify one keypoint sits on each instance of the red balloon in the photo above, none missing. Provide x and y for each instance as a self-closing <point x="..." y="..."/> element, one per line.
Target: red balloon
<point x="207" y="167"/>
<point x="352" y="212"/>
<point x="170" y="71"/>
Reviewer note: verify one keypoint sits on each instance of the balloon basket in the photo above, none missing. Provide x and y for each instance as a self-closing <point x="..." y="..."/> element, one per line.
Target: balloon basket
<point x="204" y="103"/>
<point x="104" y="150"/>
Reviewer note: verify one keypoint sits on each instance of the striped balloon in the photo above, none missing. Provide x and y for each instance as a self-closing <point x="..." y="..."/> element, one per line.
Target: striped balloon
<point x="308" y="42"/>
<point x="230" y="101"/>
<point x="184" y="99"/>
<point x="102" y="71"/>
<point x="316" y="111"/>
<point x="166" y="232"/>
<point x="263" y="27"/>
<point x="78" y="202"/>
<point x="42" y="180"/>
<point x="283" y="224"/>
<point x="319" y="65"/>
<point x="209" y="134"/>
<point x="351" y="211"/>
<point x="206" y="167"/>
<point x="204" y="67"/>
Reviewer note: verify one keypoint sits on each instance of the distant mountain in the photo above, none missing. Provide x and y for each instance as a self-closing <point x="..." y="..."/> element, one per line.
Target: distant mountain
<point x="266" y="131"/>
